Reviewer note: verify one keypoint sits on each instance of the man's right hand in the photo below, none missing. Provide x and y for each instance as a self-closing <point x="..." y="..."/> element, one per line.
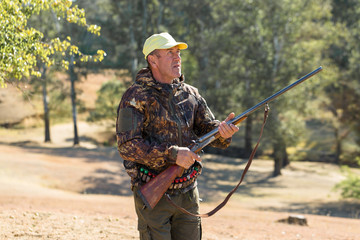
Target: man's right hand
<point x="186" y="158"/>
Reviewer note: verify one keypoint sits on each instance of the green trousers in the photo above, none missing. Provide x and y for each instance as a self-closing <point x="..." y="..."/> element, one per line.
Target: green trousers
<point x="164" y="222"/>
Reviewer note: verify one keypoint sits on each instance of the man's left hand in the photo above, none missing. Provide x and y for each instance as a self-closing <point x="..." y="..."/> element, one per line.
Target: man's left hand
<point x="227" y="130"/>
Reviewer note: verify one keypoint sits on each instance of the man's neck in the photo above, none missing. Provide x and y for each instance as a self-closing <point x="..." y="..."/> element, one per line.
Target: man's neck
<point x="159" y="78"/>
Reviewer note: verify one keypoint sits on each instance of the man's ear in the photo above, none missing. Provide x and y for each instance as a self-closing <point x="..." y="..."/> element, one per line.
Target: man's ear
<point x="152" y="60"/>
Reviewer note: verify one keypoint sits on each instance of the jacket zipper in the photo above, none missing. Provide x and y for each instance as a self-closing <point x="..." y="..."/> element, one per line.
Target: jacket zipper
<point x="178" y="122"/>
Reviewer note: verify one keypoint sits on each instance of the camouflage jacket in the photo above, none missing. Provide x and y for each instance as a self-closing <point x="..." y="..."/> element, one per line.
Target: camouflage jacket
<point x="153" y="119"/>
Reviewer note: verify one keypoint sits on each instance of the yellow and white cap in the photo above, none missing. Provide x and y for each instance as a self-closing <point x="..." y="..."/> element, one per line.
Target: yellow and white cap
<point x="161" y="41"/>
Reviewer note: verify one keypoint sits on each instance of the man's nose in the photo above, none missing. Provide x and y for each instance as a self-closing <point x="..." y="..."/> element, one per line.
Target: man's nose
<point x="177" y="56"/>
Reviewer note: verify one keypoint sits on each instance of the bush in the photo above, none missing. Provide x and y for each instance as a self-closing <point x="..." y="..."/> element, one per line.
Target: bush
<point x="107" y="101"/>
<point x="350" y="187"/>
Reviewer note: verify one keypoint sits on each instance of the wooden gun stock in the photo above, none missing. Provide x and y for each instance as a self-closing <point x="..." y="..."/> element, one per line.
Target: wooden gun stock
<point x="154" y="190"/>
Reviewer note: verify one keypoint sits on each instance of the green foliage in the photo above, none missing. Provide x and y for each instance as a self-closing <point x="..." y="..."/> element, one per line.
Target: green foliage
<point x="107" y="101"/>
<point x="260" y="47"/>
<point x="350" y="187"/>
<point x="22" y="46"/>
<point x="242" y="51"/>
<point x="341" y="96"/>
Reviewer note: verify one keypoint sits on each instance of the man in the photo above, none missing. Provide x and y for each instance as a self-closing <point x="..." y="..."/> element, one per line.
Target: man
<point x="158" y="117"/>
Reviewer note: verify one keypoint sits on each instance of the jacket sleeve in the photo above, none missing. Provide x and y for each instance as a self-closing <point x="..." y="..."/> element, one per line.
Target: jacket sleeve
<point x="131" y="118"/>
<point x="205" y="122"/>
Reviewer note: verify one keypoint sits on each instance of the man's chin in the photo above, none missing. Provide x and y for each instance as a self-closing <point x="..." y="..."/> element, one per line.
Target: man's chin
<point x="177" y="73"/>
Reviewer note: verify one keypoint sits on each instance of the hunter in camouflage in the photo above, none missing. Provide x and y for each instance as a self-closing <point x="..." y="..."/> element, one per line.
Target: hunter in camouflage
<point x="157" y="119"/>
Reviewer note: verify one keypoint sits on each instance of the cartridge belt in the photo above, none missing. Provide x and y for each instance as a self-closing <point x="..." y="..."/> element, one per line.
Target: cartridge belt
<point x="189" y="176"/>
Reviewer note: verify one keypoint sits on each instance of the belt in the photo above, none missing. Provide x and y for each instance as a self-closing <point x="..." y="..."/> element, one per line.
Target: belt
<point x="189" y="176"/>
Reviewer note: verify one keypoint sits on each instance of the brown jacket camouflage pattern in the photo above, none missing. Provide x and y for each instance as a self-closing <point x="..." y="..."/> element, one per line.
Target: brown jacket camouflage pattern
<point x="153" y="119"/>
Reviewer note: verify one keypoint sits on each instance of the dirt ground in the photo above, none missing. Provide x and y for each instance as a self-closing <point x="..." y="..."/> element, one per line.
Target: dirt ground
<point x="56" y="191"/>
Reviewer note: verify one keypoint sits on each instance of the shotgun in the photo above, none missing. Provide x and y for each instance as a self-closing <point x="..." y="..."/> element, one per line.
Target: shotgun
<point x="153" y="191"/>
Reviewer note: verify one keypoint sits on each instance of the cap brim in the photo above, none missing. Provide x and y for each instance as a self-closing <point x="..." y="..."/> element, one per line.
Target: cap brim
<point x="168" y="45"/>
<point x="181" y="45"/>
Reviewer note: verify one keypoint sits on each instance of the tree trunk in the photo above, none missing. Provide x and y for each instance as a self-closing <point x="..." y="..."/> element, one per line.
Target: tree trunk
<point x="145" y="19"/>
<point x="46" y="107"/>
<point x="279" y="145"/>
<point x="338" y="143"/>
<point x="133" y="49"/>
<point x="160" y="16"/>
<point x="203" y="58"/>
<point x="278" y="160"/>
<point x="286" y="161"/>
<point x="280" y="155"/>
<point x="73" y="78"/>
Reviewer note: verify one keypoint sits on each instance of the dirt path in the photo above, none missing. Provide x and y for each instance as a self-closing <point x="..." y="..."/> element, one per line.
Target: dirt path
<point x="55" y="191"/>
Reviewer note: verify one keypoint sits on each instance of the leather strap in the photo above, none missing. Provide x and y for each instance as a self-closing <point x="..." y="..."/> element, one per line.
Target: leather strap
<point x="224" y="202"/>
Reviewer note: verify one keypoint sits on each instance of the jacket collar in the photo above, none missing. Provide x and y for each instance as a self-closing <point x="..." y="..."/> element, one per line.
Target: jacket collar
<point x="145" y="77"/>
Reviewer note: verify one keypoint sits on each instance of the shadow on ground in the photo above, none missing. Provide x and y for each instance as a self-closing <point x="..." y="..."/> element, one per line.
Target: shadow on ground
<point x="341" y="208"/>
<point x="107" y="182"/>
<point x="111" y="181"/>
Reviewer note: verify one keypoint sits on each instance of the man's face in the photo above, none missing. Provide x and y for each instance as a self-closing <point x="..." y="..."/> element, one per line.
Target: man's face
<point x="169" y="63"/>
